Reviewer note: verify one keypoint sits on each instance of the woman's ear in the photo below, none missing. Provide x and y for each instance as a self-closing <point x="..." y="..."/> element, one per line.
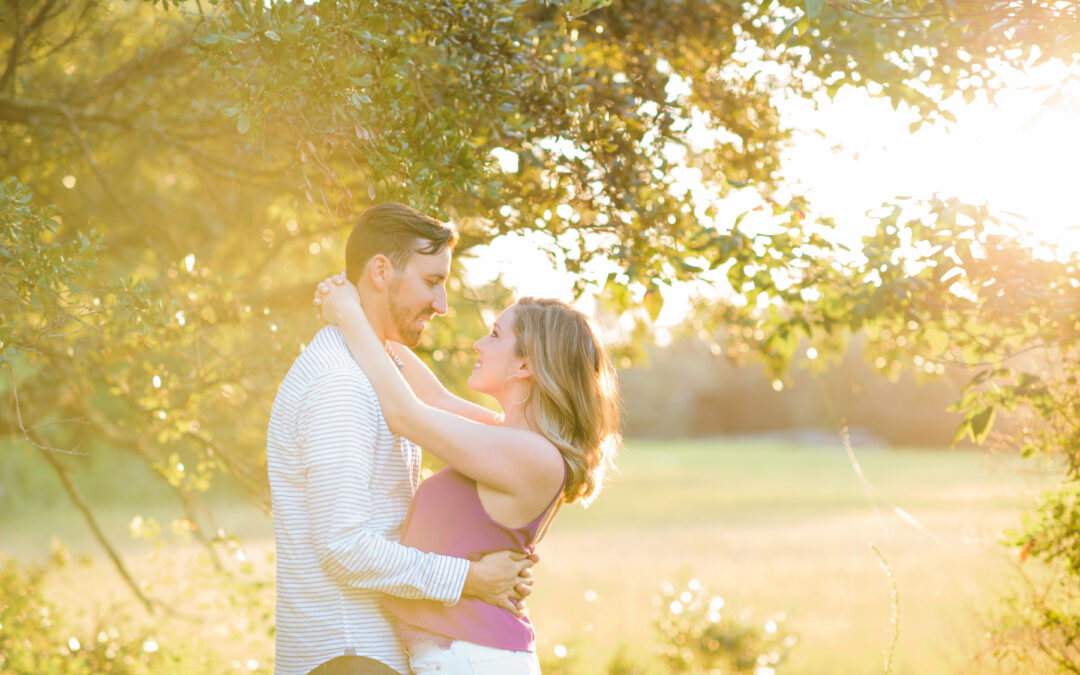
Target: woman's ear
<point x="379" y="270"/>
<point x="524" y="370"/>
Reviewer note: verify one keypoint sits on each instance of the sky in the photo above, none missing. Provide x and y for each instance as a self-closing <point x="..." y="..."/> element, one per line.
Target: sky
<point x="1021" y="155"/>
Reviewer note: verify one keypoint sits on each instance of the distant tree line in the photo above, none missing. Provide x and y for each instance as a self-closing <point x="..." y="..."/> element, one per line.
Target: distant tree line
<point x="686" y="390"/>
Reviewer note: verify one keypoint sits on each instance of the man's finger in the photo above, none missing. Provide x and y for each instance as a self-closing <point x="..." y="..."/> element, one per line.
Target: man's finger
<point x="516" y="608"/>
<point x="533" y="558"/>
<point x="509" y="605"/>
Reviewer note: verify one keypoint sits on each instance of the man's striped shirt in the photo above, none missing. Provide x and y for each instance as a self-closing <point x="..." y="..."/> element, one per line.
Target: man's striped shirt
<point x="340" y="485"/>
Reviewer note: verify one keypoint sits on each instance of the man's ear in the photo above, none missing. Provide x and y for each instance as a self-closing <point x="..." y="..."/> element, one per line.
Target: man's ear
<point x="379" y="271"/>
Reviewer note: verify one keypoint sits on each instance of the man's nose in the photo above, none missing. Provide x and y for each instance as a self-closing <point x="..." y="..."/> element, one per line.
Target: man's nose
<point x="439" y="303"/>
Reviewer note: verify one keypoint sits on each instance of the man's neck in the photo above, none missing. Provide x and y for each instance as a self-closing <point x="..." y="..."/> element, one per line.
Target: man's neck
<point x="376" y="315"/>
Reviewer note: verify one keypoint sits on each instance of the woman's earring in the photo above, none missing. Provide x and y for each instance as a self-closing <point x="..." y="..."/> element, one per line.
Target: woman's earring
<point x="527" y="394"/>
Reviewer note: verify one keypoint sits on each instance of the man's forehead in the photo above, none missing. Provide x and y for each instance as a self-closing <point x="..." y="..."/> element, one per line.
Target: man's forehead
<point x="431" y="263"/>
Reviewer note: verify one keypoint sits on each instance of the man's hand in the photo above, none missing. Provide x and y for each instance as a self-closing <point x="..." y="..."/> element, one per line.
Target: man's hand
<point x="503" y="579"/>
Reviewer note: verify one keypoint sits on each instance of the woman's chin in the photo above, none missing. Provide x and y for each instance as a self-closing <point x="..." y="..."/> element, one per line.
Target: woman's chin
<point x="476" y="384"/>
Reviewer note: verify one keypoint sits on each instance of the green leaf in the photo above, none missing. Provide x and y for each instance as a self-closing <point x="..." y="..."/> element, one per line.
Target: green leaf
<point x="788" y="30"/>
<point x="813" y="8"/>
<point x="982" y="423"/>
<point x="616" y="294"/>
<point x="653" y="302"/>
<point x="273" y="35"/>
<point x="963" y="430"/>
<point x="243" y="123"/>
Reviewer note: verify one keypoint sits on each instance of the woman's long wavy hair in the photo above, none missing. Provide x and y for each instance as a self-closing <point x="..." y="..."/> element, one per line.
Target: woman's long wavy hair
<point x="574" y="398"/>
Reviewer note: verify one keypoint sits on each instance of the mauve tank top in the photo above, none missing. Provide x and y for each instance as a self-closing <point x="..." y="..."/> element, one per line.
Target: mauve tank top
<point x="446" y="517"/>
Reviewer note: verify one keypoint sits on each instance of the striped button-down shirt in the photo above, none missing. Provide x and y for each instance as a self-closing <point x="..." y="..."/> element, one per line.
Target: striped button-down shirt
<point x="340" y="484"/>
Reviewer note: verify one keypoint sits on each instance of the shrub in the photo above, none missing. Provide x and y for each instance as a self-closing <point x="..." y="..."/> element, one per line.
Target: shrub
<point x="35" y="637"/>
<point x="699" y="634"/>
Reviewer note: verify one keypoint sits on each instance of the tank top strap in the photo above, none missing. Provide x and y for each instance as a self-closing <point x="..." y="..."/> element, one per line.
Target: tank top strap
<point x="551" y="510"/>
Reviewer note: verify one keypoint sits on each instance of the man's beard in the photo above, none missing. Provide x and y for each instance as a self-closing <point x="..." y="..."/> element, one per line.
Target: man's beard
<point x="403" y="321"/>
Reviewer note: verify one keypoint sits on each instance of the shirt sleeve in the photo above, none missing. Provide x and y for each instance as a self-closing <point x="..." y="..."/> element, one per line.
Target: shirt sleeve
<point x="337" y="429"/>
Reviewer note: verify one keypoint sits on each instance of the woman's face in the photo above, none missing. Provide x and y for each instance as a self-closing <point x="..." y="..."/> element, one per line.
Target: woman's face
<point x="497" y="357"/>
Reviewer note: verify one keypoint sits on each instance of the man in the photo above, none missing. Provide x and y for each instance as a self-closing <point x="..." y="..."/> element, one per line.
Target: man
<point x="341" y="483"/>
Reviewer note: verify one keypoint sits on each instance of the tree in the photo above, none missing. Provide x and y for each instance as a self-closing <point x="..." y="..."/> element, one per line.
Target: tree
<point x="219" y="150"/>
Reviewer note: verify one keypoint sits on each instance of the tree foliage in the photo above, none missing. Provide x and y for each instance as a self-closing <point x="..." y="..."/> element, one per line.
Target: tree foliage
<point x="176" y="174"/>
<point x="943" y="285"/>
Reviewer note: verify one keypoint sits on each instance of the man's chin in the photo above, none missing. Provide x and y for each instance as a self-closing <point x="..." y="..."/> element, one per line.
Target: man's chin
<point x="409" y="337"/>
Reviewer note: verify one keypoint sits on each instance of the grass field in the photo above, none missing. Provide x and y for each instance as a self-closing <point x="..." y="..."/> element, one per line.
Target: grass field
<point x="778" y="528"/>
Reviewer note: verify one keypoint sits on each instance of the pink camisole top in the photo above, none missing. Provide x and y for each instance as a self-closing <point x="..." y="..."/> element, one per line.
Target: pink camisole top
<point x="446" y="517"/>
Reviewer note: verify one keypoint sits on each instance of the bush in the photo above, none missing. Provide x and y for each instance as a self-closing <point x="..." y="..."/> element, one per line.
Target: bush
<point x="1036" y="626"/>
<point x="695" y="634"/>
<point x="35" y="637"/>
<point x="698" y="634"/>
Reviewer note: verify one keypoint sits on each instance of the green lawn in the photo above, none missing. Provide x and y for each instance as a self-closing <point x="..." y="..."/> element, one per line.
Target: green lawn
<point x="788" y="529"/>
<point x="773" y="527"/>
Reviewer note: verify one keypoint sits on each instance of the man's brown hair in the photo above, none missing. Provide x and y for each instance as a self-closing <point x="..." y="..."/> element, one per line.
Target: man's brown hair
<point x="394" y="230"/>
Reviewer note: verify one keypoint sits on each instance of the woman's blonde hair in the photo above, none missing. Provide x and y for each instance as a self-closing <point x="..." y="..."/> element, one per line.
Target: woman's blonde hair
<point x="574" y="398"/>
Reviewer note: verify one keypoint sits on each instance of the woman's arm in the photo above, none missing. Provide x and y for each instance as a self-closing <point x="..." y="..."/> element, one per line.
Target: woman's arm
<point x="516" y="462"/>
<point x="432" y="392"/>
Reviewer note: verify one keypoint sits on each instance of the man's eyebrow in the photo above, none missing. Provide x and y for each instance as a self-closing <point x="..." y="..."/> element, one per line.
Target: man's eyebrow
<point x="437" y="275"/>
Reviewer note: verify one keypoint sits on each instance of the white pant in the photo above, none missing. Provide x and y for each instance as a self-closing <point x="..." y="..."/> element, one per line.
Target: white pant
<point x="466" y="658"/>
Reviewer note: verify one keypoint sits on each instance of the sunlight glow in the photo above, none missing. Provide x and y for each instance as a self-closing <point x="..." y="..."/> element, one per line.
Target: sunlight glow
<point x="848" y="156"/>
<point x="1018" y="157"/>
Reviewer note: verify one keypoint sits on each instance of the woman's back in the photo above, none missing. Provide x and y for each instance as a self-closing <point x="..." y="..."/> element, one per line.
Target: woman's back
<point x="447" y="517"/>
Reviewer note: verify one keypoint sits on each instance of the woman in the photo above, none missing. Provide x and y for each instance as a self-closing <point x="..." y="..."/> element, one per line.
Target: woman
<point x="505" y="480"/>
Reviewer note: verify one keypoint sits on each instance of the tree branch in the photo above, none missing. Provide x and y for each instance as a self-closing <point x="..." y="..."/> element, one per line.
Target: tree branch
<point x="106" y="185"/>
<point x="77" y="500"/>
<point x="13" y="53"/>
<point x="75" y="32"/>
<point x="20" y="35"/>
<point x="906" y="17"/>
<point x="235" y="470"/>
